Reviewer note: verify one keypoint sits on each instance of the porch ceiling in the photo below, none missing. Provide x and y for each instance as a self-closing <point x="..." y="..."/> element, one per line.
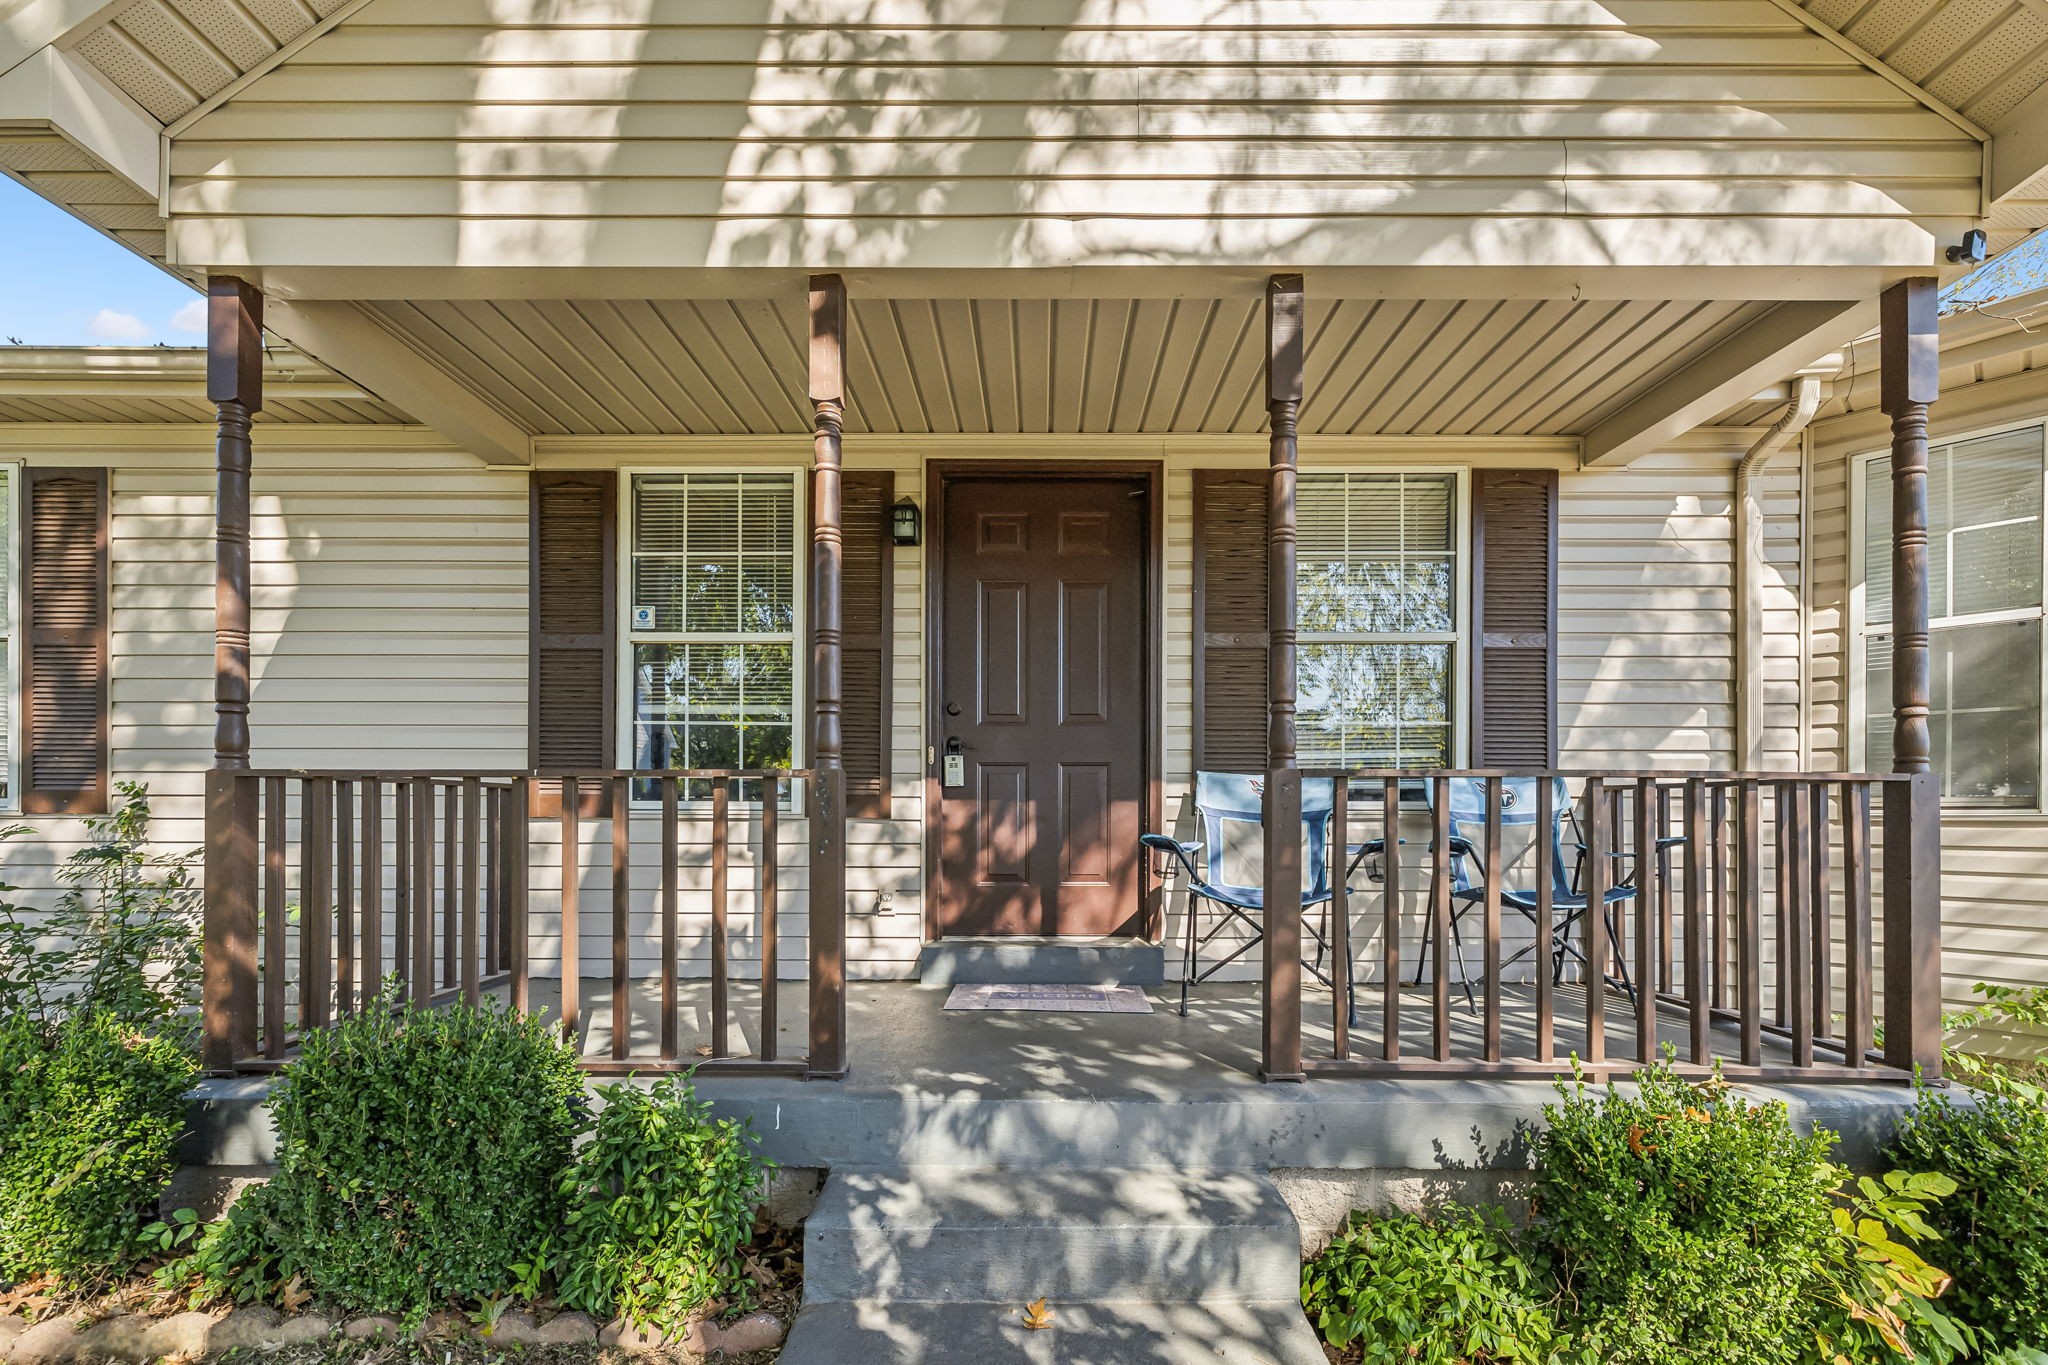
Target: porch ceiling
<point x="1375" y="367"/>
<point x="120" y="385"/>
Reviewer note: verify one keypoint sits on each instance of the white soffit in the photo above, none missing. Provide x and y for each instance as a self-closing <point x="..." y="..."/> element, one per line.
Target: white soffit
<point x="1979" y="57"/>
<point x="122" y="385"/>
<point x="171" y="56"/>
<point x="1375" y="367"/>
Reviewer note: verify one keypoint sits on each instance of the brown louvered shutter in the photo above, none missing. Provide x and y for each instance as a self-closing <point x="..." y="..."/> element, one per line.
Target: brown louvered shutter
<point x="574" y="595"/>
<point x="1230" y="620"/>
<point x="865" y="590"/>
<point x="64" y="660"/>
<point x="1514" y="685"/>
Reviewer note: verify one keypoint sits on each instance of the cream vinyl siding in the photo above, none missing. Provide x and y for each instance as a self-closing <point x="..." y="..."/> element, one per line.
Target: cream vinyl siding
<point x="1994" y="866"/>
<point x="814" y="133"/>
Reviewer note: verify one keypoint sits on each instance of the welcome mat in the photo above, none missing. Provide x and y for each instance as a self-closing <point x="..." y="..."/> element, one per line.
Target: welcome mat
<point x="1050" y="999"/>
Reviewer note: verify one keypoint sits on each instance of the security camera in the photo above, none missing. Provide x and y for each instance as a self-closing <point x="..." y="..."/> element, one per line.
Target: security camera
<point x="1974" y="249"/>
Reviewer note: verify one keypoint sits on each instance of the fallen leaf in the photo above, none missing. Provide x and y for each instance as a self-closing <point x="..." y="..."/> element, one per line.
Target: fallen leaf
<point x="704" y="1050"/>
<point x="294" y="1295"/>
<point x="1037" y="1317"/>
<point x="1636" y="1143"/>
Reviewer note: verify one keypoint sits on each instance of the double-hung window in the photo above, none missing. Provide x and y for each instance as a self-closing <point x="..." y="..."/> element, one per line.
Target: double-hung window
<point x="713" y="620"/>
<point x="1379" y="581"/>
<point x="1985" y="555"/>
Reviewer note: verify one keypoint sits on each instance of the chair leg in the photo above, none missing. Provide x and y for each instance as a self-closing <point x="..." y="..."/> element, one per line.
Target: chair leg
<point x="1187" y="957"/>
<point x="1422" y="956"/>
<point x="1464" y="970"/>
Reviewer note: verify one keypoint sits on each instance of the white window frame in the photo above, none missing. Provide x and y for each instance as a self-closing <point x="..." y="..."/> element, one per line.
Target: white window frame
<point x="1459" y="639"/>
<point x="797" y="637"/>
<point x="1861" y="629"/>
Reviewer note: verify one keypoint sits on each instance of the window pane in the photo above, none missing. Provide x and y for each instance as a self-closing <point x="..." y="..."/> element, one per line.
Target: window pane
<point x="713" y="706"/>
<point x="1986" y="720"/>
<point x="715" y="552"/>
<point x="1376" y="553"/>
<point x="1984" y="519"/>
<point x="1375" y="706"/>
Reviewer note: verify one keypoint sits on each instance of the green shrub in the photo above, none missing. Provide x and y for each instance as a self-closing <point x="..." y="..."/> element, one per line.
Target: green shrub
<point x="90" y="1114"/>
<point x="420" y="1157"/>
<point x="1433" y="1291"/>
<point x="661" y="1205"/>
<point x="1995" y="1147"/>
<point x="1874" y="1298"/>
<point x="1685" y="1224"/>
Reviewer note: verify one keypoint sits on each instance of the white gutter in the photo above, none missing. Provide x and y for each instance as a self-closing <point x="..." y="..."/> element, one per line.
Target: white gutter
<point x="1808" y="392"/>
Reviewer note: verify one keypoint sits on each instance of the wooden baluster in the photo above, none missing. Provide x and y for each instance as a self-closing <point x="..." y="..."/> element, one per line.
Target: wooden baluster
<point x="472" y="935"/>
<point x="401" y="883"/>
<point x="423" y="982"/>
<point x="1617" y="842"/>
<point x="671" y="941"/>
<point x="1340" y="917"/>
<point x="1797" y="949"/>
<point x="1546" y="917"/>
<point x="1440" y="917"/>
<point x="373" y="890"/>
<point x="572" y="877"/>
<point x="1595" y="921"/>
<point x="720" y="834"/>
<point x="344" y="898"/>
<point x="1749" y="923"/>
<point x="316" y="904"/>
<point x="1697" y="971"/>
<point x="517" y="887"/>
<point x="1390" y="919"/>
<point x="1856" y="935"/>
<point x="771" y="809"/>
<point x="1820" y="897"/>
<point x="622" y="922"/>
<point x="1717" y="975"/>
<point x="494" y="879"/>
<point x="1666" y="935"/>
<point x="1781" y="918"/>
<point x="451" y="888"/>
<point x="1649" y="895"/>
<point x="275" y="960"/>
<point x="1490" y="909"/>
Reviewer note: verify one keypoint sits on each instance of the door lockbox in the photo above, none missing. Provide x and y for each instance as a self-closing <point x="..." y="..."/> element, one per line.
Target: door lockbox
<point x="954" y="773"/>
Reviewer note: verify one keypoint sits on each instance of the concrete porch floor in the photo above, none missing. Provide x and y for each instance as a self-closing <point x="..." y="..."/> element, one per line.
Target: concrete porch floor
<point x="1107" y="1090"/>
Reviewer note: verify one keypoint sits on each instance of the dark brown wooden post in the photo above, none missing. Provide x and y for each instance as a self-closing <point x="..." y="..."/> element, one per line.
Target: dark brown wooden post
<point x="1280" y="1006"/>
<point x="828" y="783"/>
<point x="234" y="384"/>
<point x="1912" y="809"/>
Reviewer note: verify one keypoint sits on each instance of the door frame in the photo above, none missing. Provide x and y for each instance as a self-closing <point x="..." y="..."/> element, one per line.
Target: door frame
<point x="1152" y="566"/>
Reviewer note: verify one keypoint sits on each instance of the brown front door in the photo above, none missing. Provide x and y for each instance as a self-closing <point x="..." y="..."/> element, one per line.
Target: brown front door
<point x="1042" y="685"/>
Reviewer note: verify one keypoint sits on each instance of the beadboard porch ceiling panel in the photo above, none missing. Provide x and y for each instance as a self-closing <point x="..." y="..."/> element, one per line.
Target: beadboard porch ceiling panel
<point x="1394" y="367"/>
<point x="1017" y="133"/>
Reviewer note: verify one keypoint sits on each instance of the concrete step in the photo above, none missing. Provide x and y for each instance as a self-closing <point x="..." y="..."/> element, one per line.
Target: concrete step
<point x="962" y="1234"/>
<point x="1042" y="962"/>
<point x="1106" y="1333"/>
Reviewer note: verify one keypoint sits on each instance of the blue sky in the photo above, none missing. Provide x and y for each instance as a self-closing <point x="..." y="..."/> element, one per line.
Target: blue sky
<point x="63" y="284"/>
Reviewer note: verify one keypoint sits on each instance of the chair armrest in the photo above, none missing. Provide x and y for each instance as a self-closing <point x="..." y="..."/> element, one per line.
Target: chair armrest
<point x="1183" y="853"/>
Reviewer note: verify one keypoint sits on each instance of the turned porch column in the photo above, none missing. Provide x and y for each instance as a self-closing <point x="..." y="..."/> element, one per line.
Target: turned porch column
<point x="1912" y="808"/>
<point x="1280" y="1003"/>
<point x="828" y="786"/>
<point x="234" y="385"/>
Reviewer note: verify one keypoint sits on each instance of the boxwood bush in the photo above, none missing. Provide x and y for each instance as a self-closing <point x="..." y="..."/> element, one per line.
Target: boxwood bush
<point x="1995" y="1227"/>
<point x="90" y="1113"/>
<point x="1686" y="1225"/>
<point x="420" y="1158"/>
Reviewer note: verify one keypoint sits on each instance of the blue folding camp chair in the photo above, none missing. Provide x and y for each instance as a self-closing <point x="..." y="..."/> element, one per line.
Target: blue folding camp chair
<point x="1467" y="819"/>
<point x="1223" y="800"/>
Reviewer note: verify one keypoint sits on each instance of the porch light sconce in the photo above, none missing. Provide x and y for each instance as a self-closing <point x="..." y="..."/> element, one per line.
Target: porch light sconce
<point x="906" y="525"/>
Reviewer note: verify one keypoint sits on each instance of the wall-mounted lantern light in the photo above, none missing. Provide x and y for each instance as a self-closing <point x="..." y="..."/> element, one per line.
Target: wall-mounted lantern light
<point x="905" y="522"/>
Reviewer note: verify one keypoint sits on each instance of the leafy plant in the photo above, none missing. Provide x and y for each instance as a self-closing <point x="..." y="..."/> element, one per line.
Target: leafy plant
<point x="124" y="938"/>
<point x="2004" y="1007"/>
<point x="90" y="1113"/>
<point x="1444" y="1290"/>
<point x="227" y="1260"/>
<point x="1877" y="1295"/>
<point x="420" y="1156"/>
<point x="1686" y="1225"/>
<point x="1995" y="1148"/>
<point x="661" y="1205"/>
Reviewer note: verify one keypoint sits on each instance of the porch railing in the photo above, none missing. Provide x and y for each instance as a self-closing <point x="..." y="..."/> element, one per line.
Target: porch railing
<point x="1780" y="925"/>
<point x="325" y="889"/>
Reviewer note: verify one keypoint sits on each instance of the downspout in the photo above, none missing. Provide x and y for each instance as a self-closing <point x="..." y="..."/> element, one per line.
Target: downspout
<point x="1807" y="393"/>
